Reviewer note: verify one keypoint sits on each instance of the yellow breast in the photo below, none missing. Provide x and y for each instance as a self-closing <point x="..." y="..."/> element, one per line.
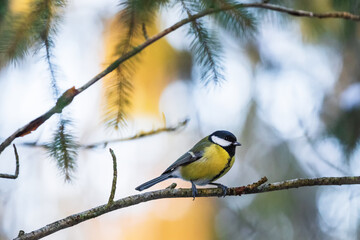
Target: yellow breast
<point x="214" y="164"/>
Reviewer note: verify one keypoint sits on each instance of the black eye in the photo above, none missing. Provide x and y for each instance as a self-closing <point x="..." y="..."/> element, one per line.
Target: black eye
<point x="227" y="138"/>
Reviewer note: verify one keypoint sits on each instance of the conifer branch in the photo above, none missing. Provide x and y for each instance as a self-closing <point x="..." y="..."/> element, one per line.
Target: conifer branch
<point x="139" y="48"/>
<point x="205" y="48"/>
<point x="73" y="92"/>
<point x="54" y="86"/>
<point x="15" y="37"/>
<point x="63" y="149"/>
<point x="132" y="17"/>
<point x="257" y="187"/>
<point x="118" y="97"/>
<point x="237" y="21"/>
<point x="22" y="31"/>
<point x="118" y="94"/>
<point x="48" y="43"/>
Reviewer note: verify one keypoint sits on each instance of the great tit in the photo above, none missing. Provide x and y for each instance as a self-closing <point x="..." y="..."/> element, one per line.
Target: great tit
<point x="211" y="158"/>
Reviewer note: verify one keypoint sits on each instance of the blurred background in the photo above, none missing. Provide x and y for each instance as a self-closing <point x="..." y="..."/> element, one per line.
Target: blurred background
<point x="291" y="95"/>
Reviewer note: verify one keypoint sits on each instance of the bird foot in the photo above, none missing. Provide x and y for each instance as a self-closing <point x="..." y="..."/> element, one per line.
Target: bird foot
<point x="223" y="188"/>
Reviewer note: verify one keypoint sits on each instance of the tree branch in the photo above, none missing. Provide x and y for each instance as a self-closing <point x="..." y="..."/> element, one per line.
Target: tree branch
<point x="113" y="186"/>
<point x="68" y="96"/>
<point x="257" y="187"/>
<point x="10" y="176"/>
<point x="65" y="99"/>
<point x="141" y="134"/>
<point x="302" y="13"/>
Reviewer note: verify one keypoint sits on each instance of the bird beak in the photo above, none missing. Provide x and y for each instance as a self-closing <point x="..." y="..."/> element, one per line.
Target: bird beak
<point x="237" y="144"/>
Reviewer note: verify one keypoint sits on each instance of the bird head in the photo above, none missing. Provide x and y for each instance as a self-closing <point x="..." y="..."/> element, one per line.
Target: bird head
<point x="224" y="139"/>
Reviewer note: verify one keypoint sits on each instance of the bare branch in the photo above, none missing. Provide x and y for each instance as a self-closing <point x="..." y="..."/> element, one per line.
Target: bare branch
<point x="141" y="134"/>
<point x="257" y="187"/>
<point x="113" y="187"/>
<point x="10" y="176"/>
<point x="68" y="96"/>
<point x="301" y="13"/>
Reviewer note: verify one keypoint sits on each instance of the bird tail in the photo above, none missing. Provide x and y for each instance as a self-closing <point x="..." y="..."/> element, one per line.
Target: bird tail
<point x="153" y="182"/>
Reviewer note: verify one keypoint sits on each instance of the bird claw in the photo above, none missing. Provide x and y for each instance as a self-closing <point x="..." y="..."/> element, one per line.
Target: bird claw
<point x="223" y="188"/>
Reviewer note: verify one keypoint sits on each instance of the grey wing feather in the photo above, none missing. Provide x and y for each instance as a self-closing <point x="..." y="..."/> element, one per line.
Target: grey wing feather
<point x="192" y="155"/>
<point x="183" y="160"/>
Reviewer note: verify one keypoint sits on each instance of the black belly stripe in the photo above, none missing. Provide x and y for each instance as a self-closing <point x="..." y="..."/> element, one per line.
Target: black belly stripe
<point x="222" y="171"/>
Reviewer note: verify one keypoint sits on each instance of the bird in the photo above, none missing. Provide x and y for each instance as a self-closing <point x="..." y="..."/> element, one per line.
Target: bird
<point x="208" y="160"/>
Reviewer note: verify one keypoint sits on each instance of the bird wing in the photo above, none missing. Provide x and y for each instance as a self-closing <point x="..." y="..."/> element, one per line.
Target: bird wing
<point x="192" y="155"/>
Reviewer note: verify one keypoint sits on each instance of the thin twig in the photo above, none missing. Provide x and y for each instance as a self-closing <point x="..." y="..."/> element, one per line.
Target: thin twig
<point x="113" y="186"/>
<point x="17" y="169"/>
<point x="140" y="134"/>
<point x="302" y="13"/>
<point x="68" y="96"/>
<point x="257" y="187"/>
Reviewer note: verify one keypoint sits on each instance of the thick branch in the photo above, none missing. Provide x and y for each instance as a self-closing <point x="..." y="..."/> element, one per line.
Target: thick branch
<point x="183" y="193"/>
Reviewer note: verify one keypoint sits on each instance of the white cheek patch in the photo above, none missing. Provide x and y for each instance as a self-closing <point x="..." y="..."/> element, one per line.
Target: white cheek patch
<point x="220" y="141"/>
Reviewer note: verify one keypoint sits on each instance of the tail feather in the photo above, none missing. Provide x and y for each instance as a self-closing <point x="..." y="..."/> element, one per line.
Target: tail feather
<point x="153" y="182"/>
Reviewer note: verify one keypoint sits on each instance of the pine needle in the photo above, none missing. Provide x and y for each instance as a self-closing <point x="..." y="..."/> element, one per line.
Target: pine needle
<point x="63" y="149"/>
<point x="119" y="103"/>
<point x="51" y="18"/>
<point x="205" y="48"/>
<point x="131" y="18"/>
<point x="31" y="30"/>
<point x="237" y="21"/>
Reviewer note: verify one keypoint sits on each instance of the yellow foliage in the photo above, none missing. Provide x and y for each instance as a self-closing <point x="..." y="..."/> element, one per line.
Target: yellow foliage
<point x="19" y="5"/>
<point x="154" y="70"/>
